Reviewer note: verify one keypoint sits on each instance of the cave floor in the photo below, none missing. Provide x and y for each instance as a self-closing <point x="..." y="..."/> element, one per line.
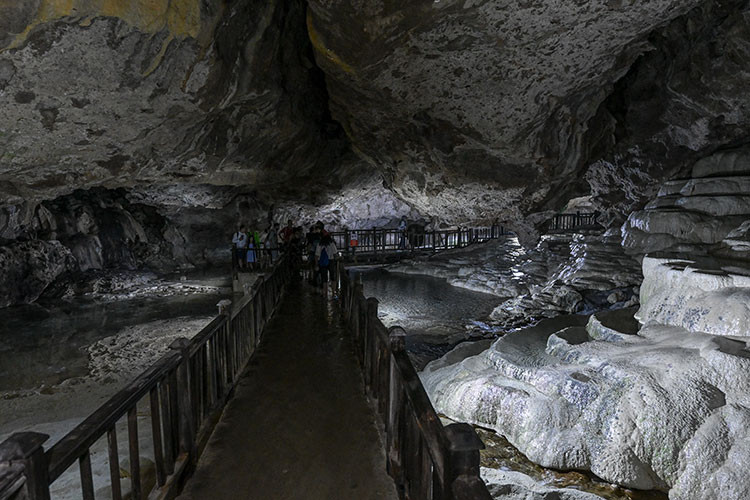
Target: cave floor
<point x="299" y="425"/>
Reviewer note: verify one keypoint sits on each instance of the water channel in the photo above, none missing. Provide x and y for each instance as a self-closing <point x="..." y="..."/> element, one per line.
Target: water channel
<point x="436" y="317"/>
<point x="49" y="349"/>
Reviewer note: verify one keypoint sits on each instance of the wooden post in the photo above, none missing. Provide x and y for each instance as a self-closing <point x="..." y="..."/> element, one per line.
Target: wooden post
<point x="25" y="449"/>
<point x="462" y="457"/>
<point x="359" y="313"/>
<point x="185" y="411"/>
<point x="397" y="340"/>
<point x="371" y="352"/>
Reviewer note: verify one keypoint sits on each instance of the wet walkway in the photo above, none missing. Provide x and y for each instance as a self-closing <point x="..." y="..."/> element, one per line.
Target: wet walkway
<point x="299" y="426"/>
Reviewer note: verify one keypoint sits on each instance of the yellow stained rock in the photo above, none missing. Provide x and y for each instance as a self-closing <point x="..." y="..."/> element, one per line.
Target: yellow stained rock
<point x="182" y="18"/>
<point x="320" y="47"/>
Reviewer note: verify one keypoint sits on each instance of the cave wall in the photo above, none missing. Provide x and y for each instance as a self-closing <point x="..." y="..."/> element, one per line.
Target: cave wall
<point x="477" y="107"/>
<point x="680" y="102"/>
<point x="118" y="94"/>
<point x="481" y="109"/>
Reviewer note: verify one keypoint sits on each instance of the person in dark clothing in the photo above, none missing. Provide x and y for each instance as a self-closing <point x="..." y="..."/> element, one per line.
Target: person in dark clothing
<point x="286" y="235"/>
<point x="325" y="255"/>
<point x="313" y="239"/>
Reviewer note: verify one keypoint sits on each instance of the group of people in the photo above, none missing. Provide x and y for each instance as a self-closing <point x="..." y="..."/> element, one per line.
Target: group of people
<point x="322" y="255"/>
<point x="255" y="250"/>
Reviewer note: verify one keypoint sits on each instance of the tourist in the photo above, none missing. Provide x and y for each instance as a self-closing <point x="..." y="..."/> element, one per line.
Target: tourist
<point x="313" y="239"/>
<point x="353" y="242"/>
<point x="287" y="233"/>
<point x="256" y="241"/>
<point x="252" y="254"/>
<point x="296" y="249"/>
<point x="325" y="255"/>
<point x="239" y="240"/>
<point x="272" y="242"/>
<point x="262" y="250"/>
<point x="402" y="225"/>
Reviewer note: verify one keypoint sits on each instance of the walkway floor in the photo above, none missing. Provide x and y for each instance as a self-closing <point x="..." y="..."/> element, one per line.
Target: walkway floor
<point x="299" y="426"/>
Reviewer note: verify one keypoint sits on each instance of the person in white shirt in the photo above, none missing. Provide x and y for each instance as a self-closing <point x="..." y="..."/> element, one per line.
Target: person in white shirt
<point x="239" y="240"/>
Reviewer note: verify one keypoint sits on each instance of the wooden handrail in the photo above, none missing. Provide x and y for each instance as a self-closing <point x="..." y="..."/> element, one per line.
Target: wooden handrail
<point x="66" y="451"/>
<point x="186" y="388"/>
<point x="566" y="222"/>
<point x="383" y="241"/>
<point x="425" y="459"/>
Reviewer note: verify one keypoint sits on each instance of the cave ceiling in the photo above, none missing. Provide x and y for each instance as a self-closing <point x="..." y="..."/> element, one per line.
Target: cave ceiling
<point x="468" y="110"/>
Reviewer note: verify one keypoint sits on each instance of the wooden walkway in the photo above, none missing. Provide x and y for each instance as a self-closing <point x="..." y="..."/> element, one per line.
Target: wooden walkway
<point x="299" y="426"/>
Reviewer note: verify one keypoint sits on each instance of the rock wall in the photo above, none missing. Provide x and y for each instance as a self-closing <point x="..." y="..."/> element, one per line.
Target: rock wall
<point x="679" y="102"/>
<point x="182" y="92"/>
<point x="469" y="111"/>
<point x="481" y="109"/>
<point x="703" y="214"/>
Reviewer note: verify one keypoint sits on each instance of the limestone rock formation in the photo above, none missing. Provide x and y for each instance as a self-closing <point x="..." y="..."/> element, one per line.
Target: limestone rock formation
<point x="509" y="485"/>
<point x="661" y="409"/>
<point x="700" y="215"/>
<point x="682" y="293"/>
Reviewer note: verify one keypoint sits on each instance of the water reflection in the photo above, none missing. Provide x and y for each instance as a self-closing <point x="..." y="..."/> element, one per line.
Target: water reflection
<point x="47" y="344"/>
<point x="435" y="314"/>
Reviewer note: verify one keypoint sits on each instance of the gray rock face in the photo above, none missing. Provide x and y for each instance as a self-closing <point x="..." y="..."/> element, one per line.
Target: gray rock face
<point x="701" y="215"/>
<point x="501" y="106"/>
<point x="470" y="110"/>
<point x="158" y="92"/>
<point x="27" y="268"/>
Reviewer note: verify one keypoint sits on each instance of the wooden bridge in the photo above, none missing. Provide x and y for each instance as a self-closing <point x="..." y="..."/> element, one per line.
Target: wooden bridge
<point x="185" y="394"/>
<point x="393" y="241"/>
<point x="562" y="223"/>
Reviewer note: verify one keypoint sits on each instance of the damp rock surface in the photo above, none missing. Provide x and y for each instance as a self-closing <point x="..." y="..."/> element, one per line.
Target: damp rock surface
<point x="634" y="409"/>
<point x="685" y="294"/>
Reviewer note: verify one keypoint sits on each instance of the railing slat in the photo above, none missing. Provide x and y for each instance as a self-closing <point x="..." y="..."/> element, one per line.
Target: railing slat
<point x="166" y="421"/>
<point x="161" y="475"/>
<point x="114" y="464"/>
<point x="135" y="459"/>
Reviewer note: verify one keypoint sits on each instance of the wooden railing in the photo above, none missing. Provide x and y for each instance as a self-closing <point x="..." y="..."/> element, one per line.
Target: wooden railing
<point x="185" y="391"/>
<point x="381" y="241"/>
<point x="567" y="222"/>
<point x="426" y="460"/>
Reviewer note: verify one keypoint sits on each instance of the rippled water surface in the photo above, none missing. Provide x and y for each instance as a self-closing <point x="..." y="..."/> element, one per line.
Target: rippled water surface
<point x="434" y="314"/>
<point x="46" y="344"/>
